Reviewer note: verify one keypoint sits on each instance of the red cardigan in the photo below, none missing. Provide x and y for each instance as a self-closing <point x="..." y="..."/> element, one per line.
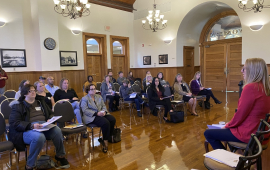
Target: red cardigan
<point x="252" y="106"/>
<point x="3" y="82"/>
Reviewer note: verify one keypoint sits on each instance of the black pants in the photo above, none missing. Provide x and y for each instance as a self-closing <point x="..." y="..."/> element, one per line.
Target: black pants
<point x="106" y="123"/>
<point x="208" y="94"/>
<point x="167" y="105"/>
<point x="113" y="98"/>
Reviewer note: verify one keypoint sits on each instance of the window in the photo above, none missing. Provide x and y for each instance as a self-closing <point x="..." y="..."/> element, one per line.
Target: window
<point x="117" y="47"/>
<point x="92" y="46"/>
<point x="226" y="28"/>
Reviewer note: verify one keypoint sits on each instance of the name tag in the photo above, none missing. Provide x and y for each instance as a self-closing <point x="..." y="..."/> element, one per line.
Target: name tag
<point x="38" y="108"/>
<point x="49" y="98"/>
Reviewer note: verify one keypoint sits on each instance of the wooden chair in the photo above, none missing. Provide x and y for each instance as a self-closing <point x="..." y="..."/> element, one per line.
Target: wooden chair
<point x="116" y="86"/>
<point x="123" y="103"/>
<point x="5" y="146"/>
<point x="10" y="93"/>
<point x="98" y="86"/>
<point x="252" y="153"/>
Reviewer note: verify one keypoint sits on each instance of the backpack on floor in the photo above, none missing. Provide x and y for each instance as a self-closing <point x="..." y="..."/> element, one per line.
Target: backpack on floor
<point x="45" y="162"/>
<point x="177" y="117"/>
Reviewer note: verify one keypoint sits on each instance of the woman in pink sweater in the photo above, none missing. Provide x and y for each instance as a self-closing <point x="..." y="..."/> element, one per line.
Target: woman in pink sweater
<point x="253" y="105"/>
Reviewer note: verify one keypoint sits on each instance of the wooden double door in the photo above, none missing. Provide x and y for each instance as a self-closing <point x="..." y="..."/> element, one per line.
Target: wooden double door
<point x="222" y="66"/>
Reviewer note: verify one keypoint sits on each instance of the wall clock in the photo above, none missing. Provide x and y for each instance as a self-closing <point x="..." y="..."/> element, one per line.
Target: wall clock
<point x="49" y="43"/>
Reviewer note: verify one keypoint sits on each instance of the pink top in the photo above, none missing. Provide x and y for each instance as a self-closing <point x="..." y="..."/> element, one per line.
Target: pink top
<point x="252" y="106"/>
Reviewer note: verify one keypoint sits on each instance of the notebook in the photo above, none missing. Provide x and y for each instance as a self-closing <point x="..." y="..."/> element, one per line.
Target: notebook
<point x="132" y="95"/>
<point x="220" y="155"/>
<point x="215" y="126"/>
<point x="73" y="126"/>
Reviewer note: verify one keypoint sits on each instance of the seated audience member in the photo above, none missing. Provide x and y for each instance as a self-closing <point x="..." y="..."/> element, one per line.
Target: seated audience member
<point x="108" y="92"/>
<point x="182" y="92"/>
<point x="22" y="83"/>
<point x="253" y="105"/>
<point x="89" y="81"/>
<point x="3" y="78"/>
<point x="42" y="79"/>
<point x="131" y="78"/>
<point x="110" y="73"/>
<point x="147" y="82"/>
<point x="125" y="91"/>
<point x="156" y="97"/>
<point x="94" y="111"/>
<point x="147" y="72"/>
<point x="121" y="78"/>
<point x="28" y="114"/>
<point x="68" y="94"/>
<point x="50" y="86"/>
<point x="198" y="89"/>
<point x="162" y="81"/>
<point x="43" y="94"/>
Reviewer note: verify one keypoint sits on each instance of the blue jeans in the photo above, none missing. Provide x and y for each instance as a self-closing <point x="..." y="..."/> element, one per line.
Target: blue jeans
<point x="215" y="136"/>
<point x="138" y="101"/>
<point x="76" y="108"/>
<point x="36" y="141"/>
<point x="2" y="90"/>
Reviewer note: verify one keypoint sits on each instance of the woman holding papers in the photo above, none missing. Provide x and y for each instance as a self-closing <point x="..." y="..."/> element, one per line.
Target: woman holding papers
<point x="182" y="92"/>
<point x="156" y="97"/>
<point x="253" y="105"/>
<point x="198" y="89"/>
<point x="94" y="111"/>
<point x="27" y="115"/>
<point x="108" y="93"/>
<point x="126" y="91"/>
<point x="43" y="94"/>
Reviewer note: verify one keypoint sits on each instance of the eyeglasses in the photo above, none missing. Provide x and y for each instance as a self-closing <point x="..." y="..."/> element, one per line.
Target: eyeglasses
<point x="243" y="69"/>
<point x="31" y="91"/>
<point x="93" y="89"/>
<point x="156" y="80"/>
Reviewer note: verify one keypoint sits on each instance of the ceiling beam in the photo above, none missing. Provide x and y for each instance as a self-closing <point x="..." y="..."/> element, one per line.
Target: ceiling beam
<point x="114" y="4"/>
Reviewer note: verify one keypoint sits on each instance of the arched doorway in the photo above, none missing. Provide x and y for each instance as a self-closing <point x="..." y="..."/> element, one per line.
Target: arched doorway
<point x="221" y="52"/>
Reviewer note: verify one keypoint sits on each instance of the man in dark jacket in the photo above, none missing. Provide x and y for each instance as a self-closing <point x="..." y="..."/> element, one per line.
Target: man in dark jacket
<point x="26" y="116"/>
<point x="125" y="91"/>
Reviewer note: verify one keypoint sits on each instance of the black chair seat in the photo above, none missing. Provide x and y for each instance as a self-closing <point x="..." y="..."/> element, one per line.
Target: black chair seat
<point x="214" y="165"/>
<point x="200" y="97"/>
<point x="240" y="145"/>
<point x="177" y="102"/>
<point x="159" y="106"/>
<point x="6" y="146"/>
<point x="91" y="125"/>
<point x="66" y="131"/>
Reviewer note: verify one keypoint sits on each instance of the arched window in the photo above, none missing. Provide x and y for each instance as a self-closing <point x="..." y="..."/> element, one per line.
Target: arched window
<point x="225" y="28"/>
<point x="92" y="46"/>
<point x="117" y="47"/>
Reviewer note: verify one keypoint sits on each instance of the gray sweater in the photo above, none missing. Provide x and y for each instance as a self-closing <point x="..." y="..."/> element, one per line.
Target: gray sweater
<point x="120" y="80"/>
<point x="125" y="91"/>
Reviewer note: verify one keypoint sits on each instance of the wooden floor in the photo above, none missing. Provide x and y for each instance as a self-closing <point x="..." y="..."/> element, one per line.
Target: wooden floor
<point x="146" y="145"/>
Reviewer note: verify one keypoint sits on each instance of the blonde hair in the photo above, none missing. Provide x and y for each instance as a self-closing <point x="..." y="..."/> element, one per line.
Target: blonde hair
<point x="36" y="84"/>
<point x="194" y="78"/>
<point x="175" y="80"/>
<point x="256" y="71"/>
<point x="61" y="83"/>
<point x="148" y="75"/>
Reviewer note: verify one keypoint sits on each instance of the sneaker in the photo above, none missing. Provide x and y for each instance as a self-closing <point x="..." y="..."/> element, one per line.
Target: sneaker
<point x="63" y="163"/>
<point x="139" y="113"/>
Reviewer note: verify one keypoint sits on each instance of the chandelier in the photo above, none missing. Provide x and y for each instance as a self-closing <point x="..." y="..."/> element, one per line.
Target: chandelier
<point x="257" y="5"/>
<point x="155" y="20"/>
<point x="72" y="8"/>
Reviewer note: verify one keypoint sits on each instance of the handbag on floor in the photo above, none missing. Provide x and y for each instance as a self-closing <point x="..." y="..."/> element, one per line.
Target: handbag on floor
<point x="177" y="117"/>
<point x="116" y="135"/>
<point x="45" y="162"/>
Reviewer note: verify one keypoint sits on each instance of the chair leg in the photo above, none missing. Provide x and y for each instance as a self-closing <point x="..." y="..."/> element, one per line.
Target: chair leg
<point x="206" y="146"/>
<point x="10" y="158"/>
<point x="25" y="154"/>
<point x="259" y="163"/>
<point x="46" y="147"/>
<point x="18" y="156"/>
<point x="92" y="137"/>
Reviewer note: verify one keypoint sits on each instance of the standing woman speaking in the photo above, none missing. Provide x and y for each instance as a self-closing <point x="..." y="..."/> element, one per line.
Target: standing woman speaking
<point x="3" y="78"/>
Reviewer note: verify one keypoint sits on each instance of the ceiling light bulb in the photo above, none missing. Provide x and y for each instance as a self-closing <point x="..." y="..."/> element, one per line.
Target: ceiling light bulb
<point x="78" y="8"/>
<point x="157" y="11"/>
<point x="161" y="16"/>
<point x="244" y="2"/>
<point x="143" y="21"/>
<point x="150" y="15"/>
<point x="157" y="19"/>
<point x="255" y="1"/>
<point x="63" y="6"/>
<point x="156" y="15"/>
<point x="164" y="21"/>
<point x="85" y="2"/>
<point x="150" y="12"/>
<point x="87" y="6"/>
<point x="150" y="20"/>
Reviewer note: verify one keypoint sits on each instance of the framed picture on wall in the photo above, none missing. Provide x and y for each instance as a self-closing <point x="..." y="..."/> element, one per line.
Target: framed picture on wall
<point x="68" y="58"/>
<point x="163" y="59"/>
<point x="13" y="58"/>
<point x="146" y="60"/>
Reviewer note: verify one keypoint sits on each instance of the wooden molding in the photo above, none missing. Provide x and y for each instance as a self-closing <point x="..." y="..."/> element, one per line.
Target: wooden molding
<point x="114" y="4"/>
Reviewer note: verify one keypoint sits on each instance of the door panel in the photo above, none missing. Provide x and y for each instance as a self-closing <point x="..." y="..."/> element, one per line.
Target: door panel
<point x="234" y="66"/>
<point x="92" y="69"/>
<point x="118" y="64"/>
<point x="214" y="67"/>
<point x="188" y="63"/>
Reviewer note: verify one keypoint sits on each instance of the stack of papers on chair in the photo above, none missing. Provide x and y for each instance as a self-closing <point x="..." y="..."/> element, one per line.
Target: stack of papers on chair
<point x="52" y="120"/>
<point x="228" y="158"/>
<point x="176" y="101"/>
<point x="46" y="128"/>
<point x="215" y="126"/>
<point x="73" y="126"/>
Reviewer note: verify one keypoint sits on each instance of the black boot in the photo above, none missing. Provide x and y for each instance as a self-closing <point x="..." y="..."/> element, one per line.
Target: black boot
<point x="139" y="113"/>
<point x="217" y="101"/>
<point x="207" y="105"/>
